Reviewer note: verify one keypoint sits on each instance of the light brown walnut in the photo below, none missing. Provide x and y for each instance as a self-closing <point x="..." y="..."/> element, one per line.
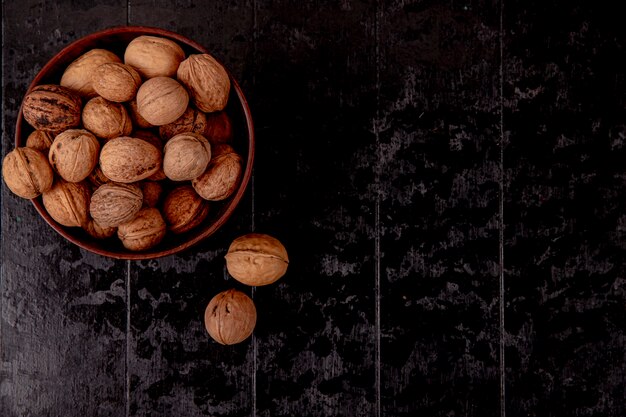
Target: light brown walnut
<point x="161" y="100"/>
<point x="116" y="82"/>
<point x="77" y="75"/>
<point x="230" y="317"/>
<point x="74" y="154"/>
<point x="222" y="176"/>
<point x="207" y="82"/>
<point x="257" y="259"/>
<point x="40" y="140"/>
<point x="27" y="172"/>
<point x="68" y="203"/>
<point x="184" y="209"/>
<point x="154" y="56"/>
<point x="106" y="119"/>
<point x="186" y="156"/>
<point x="144" y="232"/>
<point x="113" y="204"/>
<point x="128" y="160"/>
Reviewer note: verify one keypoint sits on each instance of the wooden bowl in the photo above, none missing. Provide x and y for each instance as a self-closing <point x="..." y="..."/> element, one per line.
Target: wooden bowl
<point x="115" y="40"/>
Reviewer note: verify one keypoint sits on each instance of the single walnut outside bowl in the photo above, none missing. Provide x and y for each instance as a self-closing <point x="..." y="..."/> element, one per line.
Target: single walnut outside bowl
<point x="115" y="39"/>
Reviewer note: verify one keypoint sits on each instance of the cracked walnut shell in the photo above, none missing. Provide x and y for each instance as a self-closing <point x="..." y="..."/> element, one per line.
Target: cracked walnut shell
<point x="230" y="317"/>
<point x="257" y="259"/>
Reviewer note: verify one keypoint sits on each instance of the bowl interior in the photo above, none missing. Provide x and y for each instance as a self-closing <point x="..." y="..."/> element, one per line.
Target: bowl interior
<point x="115" y="40"/>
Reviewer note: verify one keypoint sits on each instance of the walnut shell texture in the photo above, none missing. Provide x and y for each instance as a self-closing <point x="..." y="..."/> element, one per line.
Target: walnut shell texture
<point x="207" y="81"/>
<point x="257" y="259"/>
<point x="74" y="154"/>
<point x="52" y="108"/>
<point x="153" y="56"/>
<point x="27" y="172"/>
<point x="149" y="137"/>
<point x="161" y="100"/>
<point x="116" y="82"/>
<point x="106" y="119"/>
<point x="230" y="317"/>
<point x="192" y="120"/>
<point x="127" y="159"/>
<point x="40" y="140"/>
<point x="113" y="204"/>
<point x="184" y="209"/>
<point x="96" y="178"/>
<point x="68" y="203"/>
<point x="222" y="176"/>
<point x="186" y="156"/>
<point x="77" y="75"/>
<point x="145" y="231"/>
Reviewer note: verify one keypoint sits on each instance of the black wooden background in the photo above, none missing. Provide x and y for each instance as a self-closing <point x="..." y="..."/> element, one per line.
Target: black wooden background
<point x="449" y="178"/>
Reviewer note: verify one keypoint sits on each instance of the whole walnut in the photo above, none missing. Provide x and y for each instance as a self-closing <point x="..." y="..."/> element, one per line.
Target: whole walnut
<point x="186" y="156"/>
<point x="68" y="203"/>
<point x="26" y="172"/>
<point x="222" y="176"/>
<point x="154" y="56"/>
<point x="138" y="121"/>
<point x="230" y="317"/>
<point x="96" y="231"/>
<point x="192" y="120"/>
<point x="116" y="82"/>
<point x="74" y="154"/>
<point x="113" y="204"/>
<point x="40" y="140"/>
<point x="145" y="231"/>
<point x="52" y="108"/>
<point x="218" y="128"/>
<point x="151" y="191"/>
<point x="207" y="82"/>
<point x="77" y="75"/>
<point x="106" y="119"/>
<point x="256" y="259"/>
<point x="161" y="100"/>
<point x="184" y="209"/>
<point x="127" y="159"/>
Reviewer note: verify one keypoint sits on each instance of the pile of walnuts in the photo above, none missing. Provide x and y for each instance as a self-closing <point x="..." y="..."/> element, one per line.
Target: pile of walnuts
<point x="113" y="136"/>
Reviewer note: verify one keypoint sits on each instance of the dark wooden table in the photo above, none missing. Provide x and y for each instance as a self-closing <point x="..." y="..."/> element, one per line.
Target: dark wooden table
<point x="448" y="177"/>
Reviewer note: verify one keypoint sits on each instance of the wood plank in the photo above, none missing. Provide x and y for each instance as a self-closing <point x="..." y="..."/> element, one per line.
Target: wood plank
<point x="439" y="172"/>
<point x="175" y="368"/>
<point x="314" y="104"/>
<point x="565" y="111"/>
<point x="62" y="332"/>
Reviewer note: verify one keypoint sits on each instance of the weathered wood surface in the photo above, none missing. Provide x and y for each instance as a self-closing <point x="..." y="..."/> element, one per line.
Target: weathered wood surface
<point x="402" y="148"/>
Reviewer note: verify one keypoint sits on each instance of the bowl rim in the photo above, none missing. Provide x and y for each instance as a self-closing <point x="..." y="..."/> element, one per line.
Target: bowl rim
<point x="232" y="203"/>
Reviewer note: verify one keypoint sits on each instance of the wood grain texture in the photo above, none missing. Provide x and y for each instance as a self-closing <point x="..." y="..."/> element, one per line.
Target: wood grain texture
<point x="314" y="102"/>
<point x="63" y="324"/>
<point x="565" y="115"/>
<point x="439" y="213"/>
